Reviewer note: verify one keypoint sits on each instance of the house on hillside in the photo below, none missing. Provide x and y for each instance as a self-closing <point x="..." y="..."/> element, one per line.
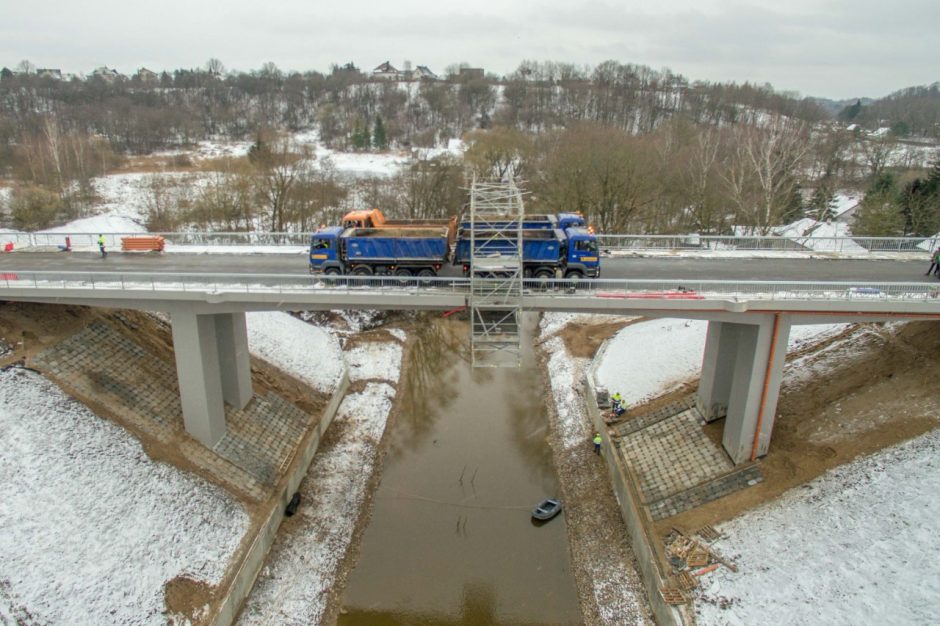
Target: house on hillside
<point x="387" y="71"/>
<point x="48" y="72"/>
<point x="147" y="76"/>
<point x="106" y="74"/>
<point x="423" y="73"/>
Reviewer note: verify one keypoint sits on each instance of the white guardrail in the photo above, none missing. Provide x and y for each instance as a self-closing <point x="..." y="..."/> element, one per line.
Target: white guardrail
<point x="608" y="242"/>
<point x="593" y="288"/>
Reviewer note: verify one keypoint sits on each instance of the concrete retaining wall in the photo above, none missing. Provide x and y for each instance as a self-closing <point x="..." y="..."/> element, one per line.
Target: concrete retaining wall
<point x="253" y="558"/>
<point x="635" y="516"/>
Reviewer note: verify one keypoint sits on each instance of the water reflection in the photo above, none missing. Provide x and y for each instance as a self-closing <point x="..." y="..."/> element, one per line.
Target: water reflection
<point x="430" y="381"/>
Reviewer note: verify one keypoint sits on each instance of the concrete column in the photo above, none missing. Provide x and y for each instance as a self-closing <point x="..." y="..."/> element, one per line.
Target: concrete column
<point x="232" y="340"/>
<point x="714" y="387"/>
<point x="753" y="363"/>
<point x="196" y="348"/>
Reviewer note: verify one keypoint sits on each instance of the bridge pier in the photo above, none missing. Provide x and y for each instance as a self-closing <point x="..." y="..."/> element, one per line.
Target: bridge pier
<point x="741" y="373"/>
<point x="212" y="367"/>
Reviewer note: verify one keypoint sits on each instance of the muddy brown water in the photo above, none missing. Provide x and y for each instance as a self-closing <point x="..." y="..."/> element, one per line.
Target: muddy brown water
<point x="451" y="539"/>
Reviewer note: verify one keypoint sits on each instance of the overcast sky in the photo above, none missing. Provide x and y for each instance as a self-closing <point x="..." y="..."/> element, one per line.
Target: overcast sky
<point x="829" y="48"/>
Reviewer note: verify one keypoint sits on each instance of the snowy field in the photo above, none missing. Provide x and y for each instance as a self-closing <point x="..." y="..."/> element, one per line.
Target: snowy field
<point x="92" y="528"/>
<point x="854" y="546"/>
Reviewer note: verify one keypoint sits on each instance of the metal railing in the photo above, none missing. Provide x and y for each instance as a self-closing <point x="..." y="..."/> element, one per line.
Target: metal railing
<point x="624" y="289"/>
<point x="719" y="243"/>
<point x="609" y="242"/>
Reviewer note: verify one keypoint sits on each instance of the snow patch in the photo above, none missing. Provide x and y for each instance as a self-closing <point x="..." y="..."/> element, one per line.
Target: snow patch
<point x="374" y="360"/>
<point x="92" y="528"/>
<point x="850" y="547"/>
<point x="306" y="351"/>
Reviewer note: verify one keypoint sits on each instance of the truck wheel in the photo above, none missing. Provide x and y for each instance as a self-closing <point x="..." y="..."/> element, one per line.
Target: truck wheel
<point x="426" y="273"/>
<point x="361" y="270"/>
<point x="404" y="276"/>
<point x="544" y="272"/>
<point x="576" y="279"/>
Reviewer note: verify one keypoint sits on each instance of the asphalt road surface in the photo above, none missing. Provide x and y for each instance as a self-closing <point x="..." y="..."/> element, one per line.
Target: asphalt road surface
<point x="654" y="268"/>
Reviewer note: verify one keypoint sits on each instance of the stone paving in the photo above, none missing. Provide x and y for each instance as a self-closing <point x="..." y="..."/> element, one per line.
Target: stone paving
<point x="677" y="466"/>
<point x="102" y="365"/>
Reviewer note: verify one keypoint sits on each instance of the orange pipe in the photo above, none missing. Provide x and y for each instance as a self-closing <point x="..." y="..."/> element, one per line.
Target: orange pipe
<point x="763" y="395"/>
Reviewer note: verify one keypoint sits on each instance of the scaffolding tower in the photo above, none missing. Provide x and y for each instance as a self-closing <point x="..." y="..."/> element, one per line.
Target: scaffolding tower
<point x="496" y="273"/>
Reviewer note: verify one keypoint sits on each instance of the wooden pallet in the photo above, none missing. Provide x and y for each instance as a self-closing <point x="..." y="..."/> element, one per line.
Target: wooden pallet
<point x="672" y="595"/>
<point x="686" y="581"/>
<point x="697" y="557"/>
<point x="708" y="533"/>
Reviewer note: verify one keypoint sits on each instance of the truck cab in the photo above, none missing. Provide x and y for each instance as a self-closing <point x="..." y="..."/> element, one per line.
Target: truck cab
<point x="324" y="251"/>
<point x="583" y="254"/>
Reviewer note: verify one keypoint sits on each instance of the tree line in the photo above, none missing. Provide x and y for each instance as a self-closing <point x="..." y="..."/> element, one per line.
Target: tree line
<point x="634" y="149"/>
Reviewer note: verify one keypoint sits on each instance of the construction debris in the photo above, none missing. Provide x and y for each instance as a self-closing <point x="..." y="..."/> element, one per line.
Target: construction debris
<point x="685" y="552"/>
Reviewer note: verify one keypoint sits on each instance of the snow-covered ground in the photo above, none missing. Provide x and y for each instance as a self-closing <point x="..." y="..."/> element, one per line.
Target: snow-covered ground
<point x="294" y="586"/>
<point x="308" y="352"/>
<point x="90" y="528"/>
<point x="854" y="546"/>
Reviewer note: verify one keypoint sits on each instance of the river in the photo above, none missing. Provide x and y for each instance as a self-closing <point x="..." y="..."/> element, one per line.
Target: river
<point x="451" y="539"/>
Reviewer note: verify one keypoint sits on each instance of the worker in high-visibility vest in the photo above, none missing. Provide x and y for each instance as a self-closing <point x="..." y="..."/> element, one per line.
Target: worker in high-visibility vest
<point x="617" y="405"/>
<point x="104" y="253"/>
<point x="597" y="443"/>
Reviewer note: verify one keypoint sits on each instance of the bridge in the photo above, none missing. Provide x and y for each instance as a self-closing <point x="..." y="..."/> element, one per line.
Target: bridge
<point x="748" y="320"/>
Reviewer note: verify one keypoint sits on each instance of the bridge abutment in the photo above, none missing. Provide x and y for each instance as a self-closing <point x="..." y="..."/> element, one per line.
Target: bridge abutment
<point x="212" y="367"/>
<point x="742" y="370"/>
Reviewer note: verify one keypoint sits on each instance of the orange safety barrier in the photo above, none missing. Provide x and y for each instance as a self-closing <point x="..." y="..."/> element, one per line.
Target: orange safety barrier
<point x="146" y="244"/>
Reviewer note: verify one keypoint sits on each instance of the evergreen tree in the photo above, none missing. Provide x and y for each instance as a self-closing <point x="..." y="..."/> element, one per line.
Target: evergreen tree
<point x="879" y="214"/>
<point x="793" y="210"/>
<point x="260" y="152"/>
<point x="933" y="178"/>
<point x="360" y="137"/>
<point x="849" y="113"/>
<point x="379" y="141"/>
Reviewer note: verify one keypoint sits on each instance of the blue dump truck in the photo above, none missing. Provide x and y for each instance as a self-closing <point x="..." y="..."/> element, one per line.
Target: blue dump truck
<point x="546" y="253"/>
<point x="422" y="251"/>
<point x="380" y="251"/>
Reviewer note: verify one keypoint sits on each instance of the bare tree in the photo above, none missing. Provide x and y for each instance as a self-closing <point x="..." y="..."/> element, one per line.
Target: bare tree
<point x="498" y="153"/>
<point x="279" y="164"/>
<point x="602" y="172"/>
<point x="765" y="165"/>
<point x="215" y="67"/>
<point x="877" y="152"/>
